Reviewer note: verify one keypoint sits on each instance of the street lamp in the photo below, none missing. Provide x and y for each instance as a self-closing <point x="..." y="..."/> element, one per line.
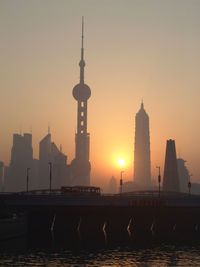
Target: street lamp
<point x="121" y="181"/>
<point x="50" y="175"/>
<point x="159" y="179"/>
<point x="27" y="178"/>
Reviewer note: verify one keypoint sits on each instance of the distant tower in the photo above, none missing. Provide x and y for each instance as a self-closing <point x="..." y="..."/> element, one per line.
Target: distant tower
<point x="171" y="179"/>
<point x="112" y="185"/>
<point x="142" y="164"/>
<point x="80" y="166"/>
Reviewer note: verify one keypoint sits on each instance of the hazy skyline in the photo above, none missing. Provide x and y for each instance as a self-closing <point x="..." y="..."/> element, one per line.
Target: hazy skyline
<point x="134" y="50"/>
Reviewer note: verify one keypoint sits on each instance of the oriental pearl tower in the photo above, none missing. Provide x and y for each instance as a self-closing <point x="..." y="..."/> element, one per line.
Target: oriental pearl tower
<point x="80" y="166"/>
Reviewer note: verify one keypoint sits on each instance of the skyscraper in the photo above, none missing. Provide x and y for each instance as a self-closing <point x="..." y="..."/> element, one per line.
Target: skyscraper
<point x="171" y="179"/>
<point x="44" y="159"/>
<point x="80" y="166"/>
<point x="21" y="159"/>
<point x="49" y="153"/>
<point x="142" y="164"/>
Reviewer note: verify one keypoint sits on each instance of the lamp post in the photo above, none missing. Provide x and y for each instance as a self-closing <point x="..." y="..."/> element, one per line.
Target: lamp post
<point x="121" y="181"/>
<point x="50" y="175"/>
<point x="27" y="178"/>
<point x="159" y="180"/>
<point x="189" y="184"/>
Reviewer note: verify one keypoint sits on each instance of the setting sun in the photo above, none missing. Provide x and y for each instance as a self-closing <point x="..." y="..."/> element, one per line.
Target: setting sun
<point x="121" y="162"/>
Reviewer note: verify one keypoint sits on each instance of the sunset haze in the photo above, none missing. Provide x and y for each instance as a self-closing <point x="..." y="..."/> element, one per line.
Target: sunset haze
<point x="134" y="50"/>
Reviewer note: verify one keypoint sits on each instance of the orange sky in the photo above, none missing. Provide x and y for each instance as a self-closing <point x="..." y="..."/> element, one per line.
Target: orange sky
<point x="133" y="50"/>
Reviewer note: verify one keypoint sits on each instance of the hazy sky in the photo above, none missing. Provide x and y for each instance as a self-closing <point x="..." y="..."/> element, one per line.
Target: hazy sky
<point x="134" y="49"/>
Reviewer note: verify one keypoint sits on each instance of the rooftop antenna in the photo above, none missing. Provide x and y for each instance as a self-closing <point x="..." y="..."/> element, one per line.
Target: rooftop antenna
<point x="49" y="128"/>
<point x="142" y="103"/>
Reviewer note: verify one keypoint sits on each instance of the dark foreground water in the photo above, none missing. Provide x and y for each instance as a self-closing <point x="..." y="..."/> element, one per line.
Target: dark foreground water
<point x="20" y="252"/>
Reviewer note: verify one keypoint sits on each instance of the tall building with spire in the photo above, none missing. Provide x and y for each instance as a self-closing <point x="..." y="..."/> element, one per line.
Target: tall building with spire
<point x="142" y="163"/>
<point x="80" y="166"/>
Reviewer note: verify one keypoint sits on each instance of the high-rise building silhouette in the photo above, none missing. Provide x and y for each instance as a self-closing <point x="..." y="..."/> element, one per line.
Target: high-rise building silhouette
<point x="183" y="175"/>
<point x="44" y="159"/>
<point x="21" y="159"/>
<point x="142" y="164"/>
<point x="171" y="178"/>
<point x="13" y="178"/>
<point x="80" y="166"/>
<point x="49" y="153"/>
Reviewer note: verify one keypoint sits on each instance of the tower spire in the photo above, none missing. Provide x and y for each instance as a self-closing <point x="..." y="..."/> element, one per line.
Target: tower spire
<point x="142" y="104"/>
<point x="82" y="38"/>
<point x="82" y="62"/>
<point x="49" y="128"/>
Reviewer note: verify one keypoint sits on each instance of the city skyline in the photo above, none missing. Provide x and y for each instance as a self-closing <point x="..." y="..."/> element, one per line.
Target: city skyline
<point x="163" y="70"/>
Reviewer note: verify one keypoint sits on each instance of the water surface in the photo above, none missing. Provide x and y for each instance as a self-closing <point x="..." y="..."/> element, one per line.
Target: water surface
<point x="17" y="253"/>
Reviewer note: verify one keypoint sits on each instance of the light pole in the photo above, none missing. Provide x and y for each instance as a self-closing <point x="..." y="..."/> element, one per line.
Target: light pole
<point x="159" y="180"/>
<point x="121" y="181"/>
<point x="27" y="178"/>
<point x="50" y="175"/>
<point x="189" y="184"/>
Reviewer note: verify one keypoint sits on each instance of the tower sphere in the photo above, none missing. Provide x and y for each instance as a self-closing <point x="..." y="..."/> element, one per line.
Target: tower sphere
<point x="82" y="63"/>
<point x="81" y="92"/>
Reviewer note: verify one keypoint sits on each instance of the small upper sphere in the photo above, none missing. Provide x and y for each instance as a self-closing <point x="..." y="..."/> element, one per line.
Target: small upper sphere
<point x="81" y="92"/>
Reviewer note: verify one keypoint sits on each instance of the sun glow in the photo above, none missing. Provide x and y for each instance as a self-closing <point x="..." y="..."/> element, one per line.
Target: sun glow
<point x="121" y="162"/>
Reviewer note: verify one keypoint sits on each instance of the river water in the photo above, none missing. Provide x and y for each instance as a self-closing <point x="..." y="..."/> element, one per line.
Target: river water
<point x="17" y="253"/>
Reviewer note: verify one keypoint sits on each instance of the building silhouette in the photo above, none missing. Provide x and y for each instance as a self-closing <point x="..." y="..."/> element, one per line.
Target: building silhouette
<point x="80" y="166"/>
<point x="183" y="174"/>
<point x="21" y="159"/>
<point x="171" y="178"/>
<point x="142" y="164"/>
<point x="112" y="185"/>
<point x="13" y="178"/>
<point x="49" y="153"/>
<point x="44" y="159"/>
<point x="61" y="171"/>
<point x="34" y="175"/>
